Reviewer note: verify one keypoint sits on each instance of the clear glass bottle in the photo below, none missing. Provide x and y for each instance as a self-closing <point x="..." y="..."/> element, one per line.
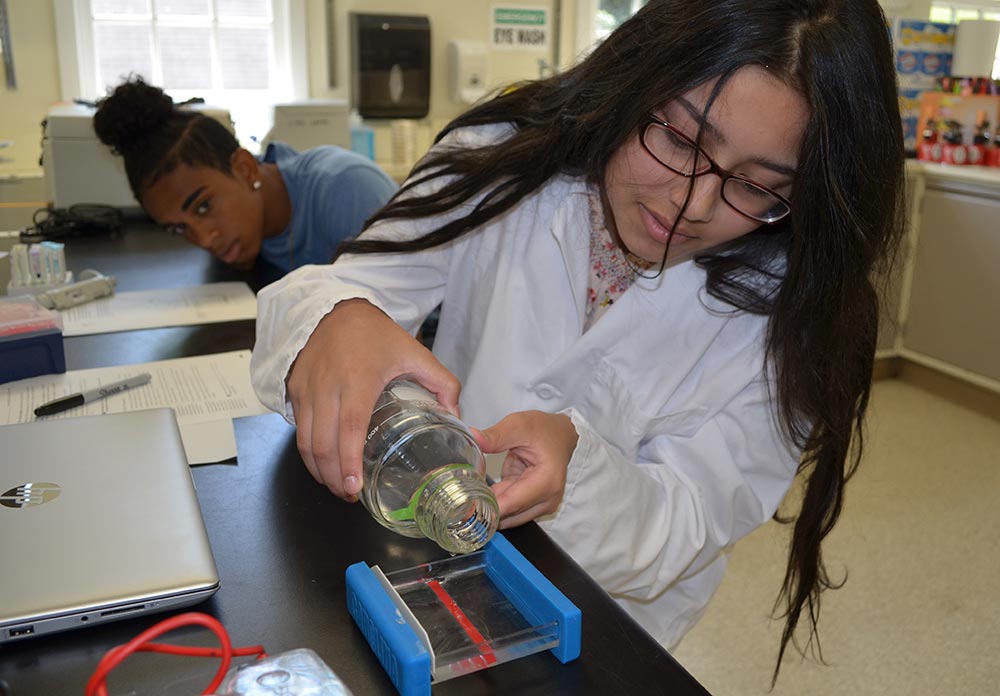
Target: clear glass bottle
<point x="424" y="474"/>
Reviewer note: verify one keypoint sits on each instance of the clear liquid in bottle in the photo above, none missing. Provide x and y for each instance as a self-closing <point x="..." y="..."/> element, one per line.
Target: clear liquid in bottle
<point x="424" y="472"/>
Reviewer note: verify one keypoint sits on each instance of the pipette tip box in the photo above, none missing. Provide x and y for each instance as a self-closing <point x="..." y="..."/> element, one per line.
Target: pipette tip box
<point x="441" y="620"/>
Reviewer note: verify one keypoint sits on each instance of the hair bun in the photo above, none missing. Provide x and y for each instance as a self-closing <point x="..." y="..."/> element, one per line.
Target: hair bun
<point x="134" y="111"/>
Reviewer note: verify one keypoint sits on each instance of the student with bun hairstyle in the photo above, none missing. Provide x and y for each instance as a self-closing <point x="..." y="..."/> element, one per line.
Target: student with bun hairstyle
<point x="191" y="176"/>
<point x="657" y="272"/>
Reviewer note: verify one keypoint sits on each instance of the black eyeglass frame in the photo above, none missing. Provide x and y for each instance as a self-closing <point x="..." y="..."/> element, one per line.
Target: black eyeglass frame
<point x="712" y="168"/>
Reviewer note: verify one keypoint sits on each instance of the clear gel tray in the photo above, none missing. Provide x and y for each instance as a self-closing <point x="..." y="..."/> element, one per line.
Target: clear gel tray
<point x="444" y="619"/>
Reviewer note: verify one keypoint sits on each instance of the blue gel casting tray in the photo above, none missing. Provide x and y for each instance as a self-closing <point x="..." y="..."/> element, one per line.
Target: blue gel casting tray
<point x="444" y="619"/>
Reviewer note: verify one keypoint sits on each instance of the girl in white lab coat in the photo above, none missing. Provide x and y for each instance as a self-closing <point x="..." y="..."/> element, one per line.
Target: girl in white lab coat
<point x="656" y="274"/>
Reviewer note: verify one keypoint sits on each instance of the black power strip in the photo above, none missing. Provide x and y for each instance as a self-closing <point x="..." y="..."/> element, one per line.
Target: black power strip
<point x="80" y="220"/>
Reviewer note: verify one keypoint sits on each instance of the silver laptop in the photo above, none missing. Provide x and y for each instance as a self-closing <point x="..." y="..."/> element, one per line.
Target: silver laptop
<point x="98" y="521"/>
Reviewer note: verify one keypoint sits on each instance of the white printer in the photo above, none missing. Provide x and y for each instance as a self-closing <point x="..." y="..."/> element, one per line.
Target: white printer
<point x="306" y="124"/>
<point x="79" y="168"/>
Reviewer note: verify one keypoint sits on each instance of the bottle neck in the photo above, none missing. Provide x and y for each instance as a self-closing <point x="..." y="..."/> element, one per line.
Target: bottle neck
<point x="458" y="510"/>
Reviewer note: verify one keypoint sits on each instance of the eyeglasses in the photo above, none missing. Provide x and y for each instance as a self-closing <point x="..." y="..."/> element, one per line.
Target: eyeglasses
<point x="681" y="155"/>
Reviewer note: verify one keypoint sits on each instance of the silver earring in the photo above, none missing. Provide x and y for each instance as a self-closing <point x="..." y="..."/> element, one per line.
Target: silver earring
<point x="256" y="185"/>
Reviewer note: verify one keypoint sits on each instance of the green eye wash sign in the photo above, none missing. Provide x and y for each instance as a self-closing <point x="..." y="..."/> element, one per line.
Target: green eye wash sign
<point x="521" y="28"/>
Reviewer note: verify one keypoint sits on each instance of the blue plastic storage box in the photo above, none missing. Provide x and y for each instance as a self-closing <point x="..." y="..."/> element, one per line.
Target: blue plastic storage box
<point x="31" y="339"/>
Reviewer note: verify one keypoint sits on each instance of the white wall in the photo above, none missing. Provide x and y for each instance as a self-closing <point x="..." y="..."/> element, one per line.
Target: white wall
<point x="449" y="19"/>
<point x="22" y="189"/>
<point x="468" y="19"/>
<point x="36" y="59"/>
<point x="36" y="66"/>
<point x="911" y="9"/>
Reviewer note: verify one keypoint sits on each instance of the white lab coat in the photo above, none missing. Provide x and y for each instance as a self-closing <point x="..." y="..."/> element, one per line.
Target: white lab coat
<point x="679" y="454"/>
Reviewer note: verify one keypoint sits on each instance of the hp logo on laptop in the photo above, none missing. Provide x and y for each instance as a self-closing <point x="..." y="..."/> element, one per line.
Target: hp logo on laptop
<point x="30" y="495"/>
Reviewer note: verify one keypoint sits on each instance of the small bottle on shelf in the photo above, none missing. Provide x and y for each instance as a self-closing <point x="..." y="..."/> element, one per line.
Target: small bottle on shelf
<point x="362" y="136"/>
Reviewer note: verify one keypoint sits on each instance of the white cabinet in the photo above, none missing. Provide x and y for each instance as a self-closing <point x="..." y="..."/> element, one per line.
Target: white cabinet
<point x="954" y="289"/>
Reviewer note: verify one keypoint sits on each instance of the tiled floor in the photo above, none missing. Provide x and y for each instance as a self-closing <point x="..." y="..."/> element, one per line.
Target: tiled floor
<point x="920" y="542"/>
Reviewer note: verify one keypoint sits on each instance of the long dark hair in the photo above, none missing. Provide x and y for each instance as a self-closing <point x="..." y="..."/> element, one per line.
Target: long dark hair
<point x="846" y="207"/>
<point x="142" y="124"/>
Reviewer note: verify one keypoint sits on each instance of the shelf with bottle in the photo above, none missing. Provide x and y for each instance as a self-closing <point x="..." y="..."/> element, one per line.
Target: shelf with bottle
<point x="959" y="129"/>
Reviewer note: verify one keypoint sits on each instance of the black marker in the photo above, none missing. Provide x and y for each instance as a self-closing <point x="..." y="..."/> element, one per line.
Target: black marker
<point x="74" y="400"/>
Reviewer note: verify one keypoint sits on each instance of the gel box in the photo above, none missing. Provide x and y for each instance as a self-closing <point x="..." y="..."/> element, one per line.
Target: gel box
<point x="31" y="340"/>
<point x="444" y="619"/>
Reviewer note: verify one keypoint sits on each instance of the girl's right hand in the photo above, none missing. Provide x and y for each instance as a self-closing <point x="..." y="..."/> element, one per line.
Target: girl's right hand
<point x="336" y="379"/>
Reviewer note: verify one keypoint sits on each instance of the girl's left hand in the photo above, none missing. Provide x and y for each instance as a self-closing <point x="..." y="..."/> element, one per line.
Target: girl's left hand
<point x="539" y="446"/>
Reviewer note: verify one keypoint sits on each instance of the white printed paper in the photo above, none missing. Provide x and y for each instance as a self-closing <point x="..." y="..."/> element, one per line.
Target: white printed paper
<point x="150" y="309"/>
<point x="205" y="391"/>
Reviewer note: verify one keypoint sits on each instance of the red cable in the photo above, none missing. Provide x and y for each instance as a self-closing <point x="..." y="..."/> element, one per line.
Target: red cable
<point x="168" y="649"/>
<point x="96" y="685"/>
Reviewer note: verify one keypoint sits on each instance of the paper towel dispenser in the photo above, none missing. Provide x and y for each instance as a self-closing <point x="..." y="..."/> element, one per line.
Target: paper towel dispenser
<point x="390" y="65"/>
